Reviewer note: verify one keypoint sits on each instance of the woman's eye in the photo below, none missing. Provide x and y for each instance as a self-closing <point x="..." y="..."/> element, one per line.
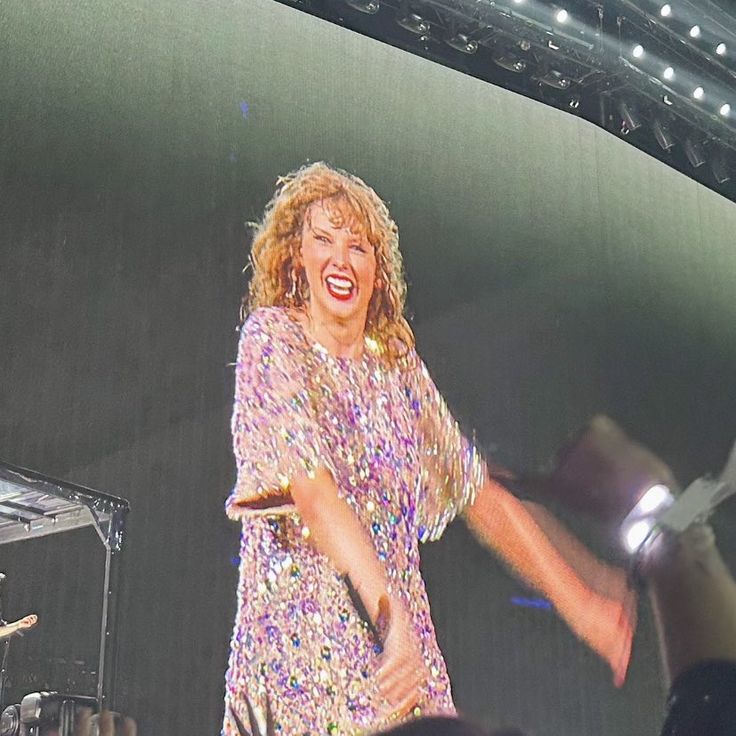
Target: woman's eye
<point x="358" y="248"/>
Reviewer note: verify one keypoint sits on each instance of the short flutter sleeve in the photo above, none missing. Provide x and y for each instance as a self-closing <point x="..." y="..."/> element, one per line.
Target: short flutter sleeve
<point x="275" y="436"/>
<point x="452" y="469"/>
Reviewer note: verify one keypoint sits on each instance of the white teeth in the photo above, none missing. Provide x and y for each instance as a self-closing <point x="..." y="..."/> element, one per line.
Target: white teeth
<point x="339" y="285"/>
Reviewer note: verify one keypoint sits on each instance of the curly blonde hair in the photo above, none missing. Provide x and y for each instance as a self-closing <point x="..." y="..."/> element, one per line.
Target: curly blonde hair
<point x="278" y="276"/>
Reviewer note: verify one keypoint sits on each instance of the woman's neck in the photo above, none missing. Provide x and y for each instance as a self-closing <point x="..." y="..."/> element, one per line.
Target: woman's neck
<point x="341" y="339"/>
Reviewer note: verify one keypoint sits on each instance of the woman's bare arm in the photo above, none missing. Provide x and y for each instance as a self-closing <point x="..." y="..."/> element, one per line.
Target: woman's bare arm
<point x="336" y="532"/>
<point x="604" y="621"/>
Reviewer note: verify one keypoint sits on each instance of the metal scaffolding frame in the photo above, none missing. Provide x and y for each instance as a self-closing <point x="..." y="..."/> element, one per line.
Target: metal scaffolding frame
<point x="33" y="505"/>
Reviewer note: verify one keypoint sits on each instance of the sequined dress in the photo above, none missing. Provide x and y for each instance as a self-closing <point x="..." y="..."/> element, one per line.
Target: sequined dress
<point x="400" y="461"/>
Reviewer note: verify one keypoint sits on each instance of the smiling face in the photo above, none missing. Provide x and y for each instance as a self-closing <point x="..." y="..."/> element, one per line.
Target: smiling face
<point x="339" y="264"/>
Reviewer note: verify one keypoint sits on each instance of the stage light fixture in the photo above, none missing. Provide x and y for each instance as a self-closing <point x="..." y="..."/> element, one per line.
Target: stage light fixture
<point x="720" y="169"/>
<point x="369" y="7"/>
<point x="555" y="79"/>
<point x="630" y="116"/>
<point x="667" y="100"/>
<point x="694" y="152"/>
<point x="662" y="134"/>
<point x="698" y="93"/>
<point x="638" y="51"/>
<point x="462" y="42"/>
<point x="574" y="102"/>
<point x="666" y="10"/>
<point x="415" y="23"/>
<point x="725" y="110"/>
<point x="562" y="15"/>
<point x="508" y="61"/>
<point x="668" y="74"/>
<point x="721" y="49"/>
<point x="695" y="32"/>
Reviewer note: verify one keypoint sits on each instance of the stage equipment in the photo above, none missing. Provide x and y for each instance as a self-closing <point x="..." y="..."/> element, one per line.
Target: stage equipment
<point x="656" y="57"/>
<point x="33" y="505"/>
<point x="629" y="115"/>
<point x="44" y="713"/>
<point x="694" y="152"/>
<point x="662" y="134"/>
<point x="370" y="7"/>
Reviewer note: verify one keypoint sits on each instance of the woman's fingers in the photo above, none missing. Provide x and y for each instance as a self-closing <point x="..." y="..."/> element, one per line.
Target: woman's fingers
<point x="405" y="706"/>
<point x="399" y="681"/>
<point x="402" y="682"/>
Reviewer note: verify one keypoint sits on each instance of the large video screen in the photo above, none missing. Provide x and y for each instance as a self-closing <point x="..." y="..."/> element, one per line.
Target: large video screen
<point x="553" y="273"/>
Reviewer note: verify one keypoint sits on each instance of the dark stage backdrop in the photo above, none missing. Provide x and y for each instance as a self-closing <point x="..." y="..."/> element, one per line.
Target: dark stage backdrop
<point x="555" y="272"/>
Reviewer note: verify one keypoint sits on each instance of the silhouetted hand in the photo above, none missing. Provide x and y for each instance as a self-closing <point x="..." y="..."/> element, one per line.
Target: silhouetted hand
<point x="105" y="723"/>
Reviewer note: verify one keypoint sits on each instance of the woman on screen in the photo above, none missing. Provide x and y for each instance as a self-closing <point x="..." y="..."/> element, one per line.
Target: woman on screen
<point x="348" y="458"/>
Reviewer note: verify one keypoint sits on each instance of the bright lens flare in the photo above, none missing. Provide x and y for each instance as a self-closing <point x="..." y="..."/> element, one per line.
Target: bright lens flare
<point x="668" y="73"/>
<point x="695" y="32"/>
<point x="638" y="51"/>
<point x="666" y="10"/>
<point x="656" y="497"/>
<point x="698" y="93"/>
<point x="561" y="16"/>
<point x="637" y="533"/>
<point x="721" y="49"/>
<point x="725" y="110"/>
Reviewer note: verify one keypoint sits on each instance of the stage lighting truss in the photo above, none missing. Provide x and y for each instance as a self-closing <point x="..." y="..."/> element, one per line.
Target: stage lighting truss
<point x="674" y="64"/>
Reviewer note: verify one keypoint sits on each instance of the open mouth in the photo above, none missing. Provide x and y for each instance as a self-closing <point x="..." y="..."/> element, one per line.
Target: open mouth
<point x="340" y="287"/>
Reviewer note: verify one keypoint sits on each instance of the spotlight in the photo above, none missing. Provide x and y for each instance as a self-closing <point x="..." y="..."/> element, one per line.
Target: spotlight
<point x="561" y="15"/>
<point x="725" y="110"/>
<point x="721" y="49"/>
<point x="574" y="102"/>
<point x="720" y="169"/>
<point x="695" y="32"/>
<point x="518" y="2"/>
<point x="640" y="521"/>
<point x="636" y="533"/>
<point x="415" y="23"/>
<point x="662" y="134"/>
<point x="666" y="10"/>
<point x="510" y="62"/>
<point x="638" y="51"/>
<point x="669" y="73"/>
<point x="462" y="42"/>
<point x="698" y="93"/>
<point x="555" y="79"/>
<point x="369" y="7"/>
<point x="631" y="118"/>
<point x="694" y="152"/>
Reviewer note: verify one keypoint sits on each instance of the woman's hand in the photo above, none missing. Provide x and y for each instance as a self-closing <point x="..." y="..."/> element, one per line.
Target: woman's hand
<point x="403" y="673"/>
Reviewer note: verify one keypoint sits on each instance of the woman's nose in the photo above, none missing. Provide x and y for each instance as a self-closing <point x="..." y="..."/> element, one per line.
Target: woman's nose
<point x="340" y="254"/>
